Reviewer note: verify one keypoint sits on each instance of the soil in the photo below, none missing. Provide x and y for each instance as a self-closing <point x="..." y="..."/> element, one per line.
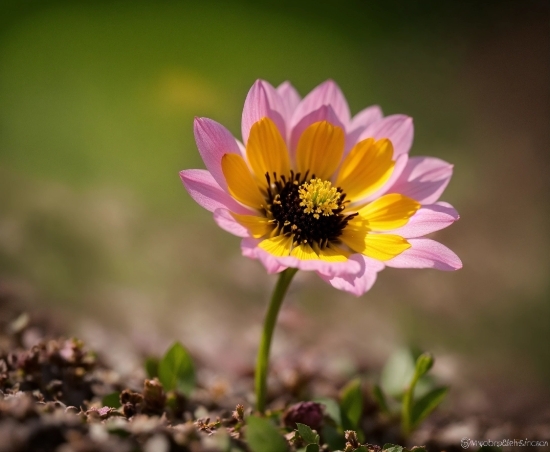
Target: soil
<point x="58" y="395"/>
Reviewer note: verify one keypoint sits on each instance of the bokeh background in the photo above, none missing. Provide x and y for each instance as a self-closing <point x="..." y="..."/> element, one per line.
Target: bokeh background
<point x="97" y="100"/>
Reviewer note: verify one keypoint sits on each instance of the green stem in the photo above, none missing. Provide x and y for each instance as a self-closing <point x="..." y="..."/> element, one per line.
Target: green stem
<point x="262" y="362"/>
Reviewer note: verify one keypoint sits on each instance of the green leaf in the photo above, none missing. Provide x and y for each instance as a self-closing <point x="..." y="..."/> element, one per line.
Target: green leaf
<point x="312" y="448"/>
<point x="397" y="373"/>
<point x="152" y="367"/>
<point x="332" y="409"/>
<point x="423" y="364"/>
<point x="263" y="436"/>
<point x="334" y="439"/>
<point x="307" y="434"/>
<point x="111" y="400"/>
<point x="351" y="404"/>
<point x="392" y="448"/>
<point x="176" y="370"/>
<point x="380" y="399"/>
<point x="424" y="406"/>
<point x="361" y="449"/>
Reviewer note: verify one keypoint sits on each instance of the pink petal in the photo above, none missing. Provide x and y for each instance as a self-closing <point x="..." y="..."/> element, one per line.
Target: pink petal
<point x="428" y="219"/>
<point x="398" y="128"/>
<point x="423" y="179"/>
<point x="323" y="113"/>
<point x="327" y="93"/>
<point x="262" y="101"/>
<point x="290" y="99"/>
<point x="213" y="141"/>
<point x="207" y="193"/>
<point x="225" y="220"/>
<point x="426" y="253"/>
<point x="360" y="283"/>
<point x="249" y="248"/>
<point x="360" y="122"/>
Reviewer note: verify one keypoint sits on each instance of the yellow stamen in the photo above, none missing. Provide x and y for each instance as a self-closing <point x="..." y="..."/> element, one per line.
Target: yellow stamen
<point x="319" y="197"/>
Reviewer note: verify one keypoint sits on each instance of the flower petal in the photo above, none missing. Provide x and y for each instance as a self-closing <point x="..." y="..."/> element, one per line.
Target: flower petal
<point x="359" y="283"/>
<point x="278" y="246"/>
<point x="207" y="193"/>
<point x="366" y="168"/>
<point x="423" y="179"/>
<point x="324" y="113"/>
<point x="240" y="183"/>
<point x="428" y="219"/>
<point x="397" y="128"/>
<point x="327" y="93"/>
<point x="227" y="222"/>
<point x="331" y="261"/>
<point x="378" y="246"/>
<point x="249" y="248"/>
<point x="388" y="212"/>
<point x="426" y="253"/>
<point x="320" y="150"/>
<point x="290" y="98"/>
<point x="266" y="150"/>
<point x="262" y="101"/>
<point x="360" y="122"/>
<point x="213" y="141"/>
<point x="256" y="226"/>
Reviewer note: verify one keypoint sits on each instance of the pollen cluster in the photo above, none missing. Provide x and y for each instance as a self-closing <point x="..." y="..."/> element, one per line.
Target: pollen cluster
<point x="319" y="197"/>
<point x="307" y="208"/>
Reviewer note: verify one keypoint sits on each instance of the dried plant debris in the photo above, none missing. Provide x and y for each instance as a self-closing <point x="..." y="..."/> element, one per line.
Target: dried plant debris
<point x="57" y="395"/>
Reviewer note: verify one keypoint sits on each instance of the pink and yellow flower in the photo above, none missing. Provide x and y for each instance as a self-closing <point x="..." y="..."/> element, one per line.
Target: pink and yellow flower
<point x="316" y="189"/>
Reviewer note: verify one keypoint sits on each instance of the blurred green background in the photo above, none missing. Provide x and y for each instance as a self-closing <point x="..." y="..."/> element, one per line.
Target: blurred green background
<point x="97" y="100"/>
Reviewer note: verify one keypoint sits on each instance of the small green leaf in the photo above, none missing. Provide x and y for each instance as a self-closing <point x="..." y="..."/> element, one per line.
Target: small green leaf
<point x="361" y="449"/>
<point x="176" y="370"/>
<point x="111" y="400"/>
<point x="333" y="439"/>
<point x="423" y="364"/>
<point x="424" y="406"/>
<point x="152" y="367"/>
<point x="397" y="373"/>
<point x="351" y="404"/>
<point x="307" y="434"/>
<point x="392" y="448"/>
<point x="417" y="449"/>
<point x="263" y="436"/>
<point x="332" y="409"/>
<point x="380" y="399"/>
<point x="312" y="448"/>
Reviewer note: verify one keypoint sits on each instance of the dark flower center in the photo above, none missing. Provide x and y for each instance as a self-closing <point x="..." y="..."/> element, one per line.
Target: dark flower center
<point x="308" y="208"/>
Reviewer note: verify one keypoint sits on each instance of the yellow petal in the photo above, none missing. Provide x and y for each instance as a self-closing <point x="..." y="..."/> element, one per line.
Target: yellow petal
<point x="266" y="150"/>
<point x="329" y="254"/>
<point x="333" y="254"/>
<point x="366" y="168"/>
<point x="377" y="246"/>
<point x="320" y="150"/>
<point x="385" y="246"/>
<point x="304" y="252"/>
<point x="277" y="246"/>
<point x="388" y="212"/>
<point x="257" y="226"/>
<point x="240" y="183"/>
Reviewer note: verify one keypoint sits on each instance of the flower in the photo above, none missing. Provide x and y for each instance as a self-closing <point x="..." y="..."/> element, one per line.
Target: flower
<point x="316" y="189"/>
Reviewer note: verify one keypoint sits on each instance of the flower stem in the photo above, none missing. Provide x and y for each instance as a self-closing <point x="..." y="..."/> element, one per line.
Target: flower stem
<point x="262" y="362"/>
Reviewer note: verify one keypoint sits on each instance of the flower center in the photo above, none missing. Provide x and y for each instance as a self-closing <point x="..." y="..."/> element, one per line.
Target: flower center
<point x="309" y="209"/>
<point x="319" y="197"/>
